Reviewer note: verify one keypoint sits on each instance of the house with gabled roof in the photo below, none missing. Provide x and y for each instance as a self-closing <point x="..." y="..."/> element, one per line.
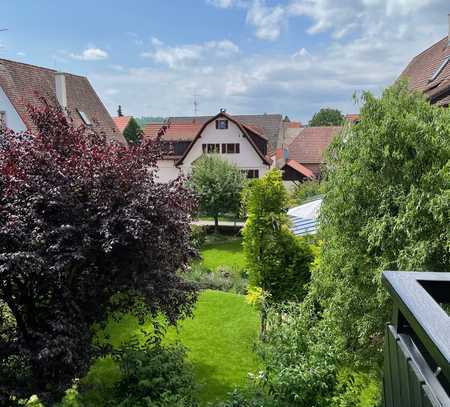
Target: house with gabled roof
<point x="272" y="126"/>
<point x="303" y="158"/>
<point x="241" y="144"/>
<point x="429" y="72"/>
<point x="22" y="84"/>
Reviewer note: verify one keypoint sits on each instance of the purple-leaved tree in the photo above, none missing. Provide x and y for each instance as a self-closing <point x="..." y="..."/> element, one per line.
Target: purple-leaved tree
<point x="85" y="231"/>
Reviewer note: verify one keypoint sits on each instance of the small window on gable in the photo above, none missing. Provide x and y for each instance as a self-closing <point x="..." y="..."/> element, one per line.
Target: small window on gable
<point x="221" y="124"/>
<point x="2" y="118"/>
<point x="84" y="117"/>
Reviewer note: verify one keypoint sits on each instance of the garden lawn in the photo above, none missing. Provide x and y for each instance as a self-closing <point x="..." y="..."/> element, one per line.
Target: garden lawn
<point x="219" y="339"/>
<point x="228" y="253"/>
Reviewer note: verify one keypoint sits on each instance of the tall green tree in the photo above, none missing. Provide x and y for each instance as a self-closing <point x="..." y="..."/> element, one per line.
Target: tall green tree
<point x="218" y="185"/>
<point x="278" y="261"/>
<point x="133" y="132"/>
<point x="386" y="207"/>
<point x="327" y="117"/>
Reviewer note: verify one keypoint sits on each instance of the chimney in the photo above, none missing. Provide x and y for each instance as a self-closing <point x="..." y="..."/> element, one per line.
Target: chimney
<point x="61" y="91"/>
<point x="448" y="38"/>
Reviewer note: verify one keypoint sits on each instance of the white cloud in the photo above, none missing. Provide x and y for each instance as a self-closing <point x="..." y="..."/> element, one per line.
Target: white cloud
<point x="181" y="55"/>
<point x="267" y="20"/>
<point x="302" y="52"/>
<point x="371" y="43"/>
<point x="90" y="54"/>
<point x="222" y="3"/>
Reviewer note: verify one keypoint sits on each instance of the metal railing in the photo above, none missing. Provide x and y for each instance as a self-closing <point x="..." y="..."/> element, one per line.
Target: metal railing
<point x="417" y="341"/>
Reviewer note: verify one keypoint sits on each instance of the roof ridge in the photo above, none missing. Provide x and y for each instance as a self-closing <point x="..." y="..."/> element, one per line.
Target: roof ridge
<point x="431" y="46"/>
<point x="40" y="67"/>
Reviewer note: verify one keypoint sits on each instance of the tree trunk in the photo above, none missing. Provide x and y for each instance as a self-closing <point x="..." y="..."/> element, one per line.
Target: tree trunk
<point x="216" y="224"/>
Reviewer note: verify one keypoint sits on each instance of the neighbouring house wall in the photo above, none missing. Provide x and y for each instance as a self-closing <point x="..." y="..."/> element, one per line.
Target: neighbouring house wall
<point x="13" y="120"/>
<point x="167" y="171"/>
<point x="290" y="174"/>
<point x="247" y="158"/>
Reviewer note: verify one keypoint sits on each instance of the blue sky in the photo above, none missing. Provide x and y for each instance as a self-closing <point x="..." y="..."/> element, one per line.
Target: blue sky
<point x="249" y="56"/>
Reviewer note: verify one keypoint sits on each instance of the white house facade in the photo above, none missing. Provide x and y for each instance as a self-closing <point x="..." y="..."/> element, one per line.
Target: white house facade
<point x="8" y="114"/>
<point x="223" y="135"/>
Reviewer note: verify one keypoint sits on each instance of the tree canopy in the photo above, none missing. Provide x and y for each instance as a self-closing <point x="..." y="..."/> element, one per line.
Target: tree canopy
<point x="327" y="117"/>
<point x="218" y="185"/>
<point x="278" y="261"/>
<point x="133" y="132"/>
<point x="386" y="208"/>
<point x="85" y="232"/>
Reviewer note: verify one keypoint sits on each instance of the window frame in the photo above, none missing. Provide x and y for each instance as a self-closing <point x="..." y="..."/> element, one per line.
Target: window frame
<point x="231" y="148"/>
<point x="252" y="173"/>
<point x="218" y="127"/>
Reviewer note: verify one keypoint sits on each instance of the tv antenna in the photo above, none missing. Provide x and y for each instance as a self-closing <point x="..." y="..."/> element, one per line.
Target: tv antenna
<point x="196" y="104"/>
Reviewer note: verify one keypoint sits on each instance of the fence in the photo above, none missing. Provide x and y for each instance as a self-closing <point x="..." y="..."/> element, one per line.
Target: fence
<point x="417" y="341"/>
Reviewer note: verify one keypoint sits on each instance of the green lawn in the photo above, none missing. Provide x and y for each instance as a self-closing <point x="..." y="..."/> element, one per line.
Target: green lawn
<point x="219" y="337"/>
<point x="227" y="253"/>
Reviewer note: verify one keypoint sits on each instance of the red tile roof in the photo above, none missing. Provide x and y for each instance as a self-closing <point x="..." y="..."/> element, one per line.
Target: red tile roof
<point x="23" y="82"/>
<point x="300" y="168"/>
<point x="174" y="131"/>
<point x="122" y="122"/>
<point x="429" y="72"/>
<point x="310" y="145"/>
<point x="294" y="125"/>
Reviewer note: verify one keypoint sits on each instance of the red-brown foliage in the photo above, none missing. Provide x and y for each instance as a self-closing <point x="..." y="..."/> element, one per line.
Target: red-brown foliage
<point x="81" y="221"/>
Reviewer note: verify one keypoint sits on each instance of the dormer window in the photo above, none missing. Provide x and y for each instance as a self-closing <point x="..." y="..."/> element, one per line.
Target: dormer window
<point x="221" y="124"/>
<point x="439" y="70"/>
<point x="84" y="117"/>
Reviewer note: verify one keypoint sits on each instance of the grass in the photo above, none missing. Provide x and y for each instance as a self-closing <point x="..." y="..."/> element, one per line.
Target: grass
<point x="219" y="337"/>
<point x="223" y="253"/>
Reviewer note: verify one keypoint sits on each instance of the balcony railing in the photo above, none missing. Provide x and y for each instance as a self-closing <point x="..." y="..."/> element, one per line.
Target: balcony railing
<point x="417" y="342"/>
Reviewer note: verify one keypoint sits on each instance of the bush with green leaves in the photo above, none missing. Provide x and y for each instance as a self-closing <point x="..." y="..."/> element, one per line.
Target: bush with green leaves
<point x="224" y="278"/>
<point x="278" y="261"/>
<point x="153" y="375"/>
<point x="248" y="398"/>
<point x="301" y="354"/>
<point x="198" y="236"/>
<point x="305" y="191"/>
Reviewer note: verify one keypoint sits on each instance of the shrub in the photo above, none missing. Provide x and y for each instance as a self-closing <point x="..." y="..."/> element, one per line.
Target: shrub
<point x="299" y="355"/>
<point x="306" y="190"/>
<point x="198" y="236"/>
<point x="153" y="375"/>
<point x="81" y="221"/>
<point x="222" y="279"/>
<point x="247" y="398"/>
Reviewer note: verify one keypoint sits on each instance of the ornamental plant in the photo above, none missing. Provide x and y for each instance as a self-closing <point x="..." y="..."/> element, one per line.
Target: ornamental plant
<point x="85" y="231"/>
